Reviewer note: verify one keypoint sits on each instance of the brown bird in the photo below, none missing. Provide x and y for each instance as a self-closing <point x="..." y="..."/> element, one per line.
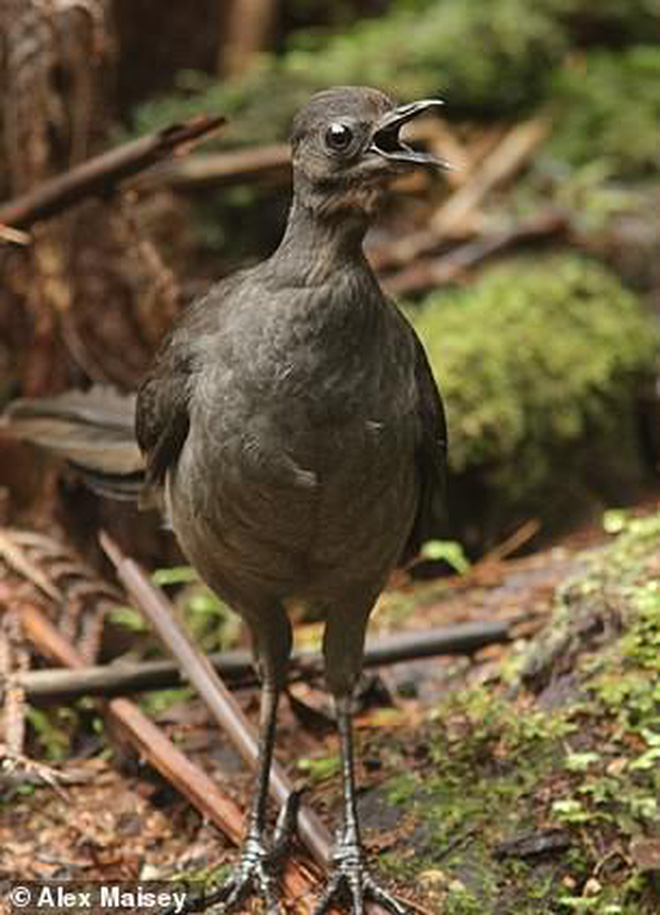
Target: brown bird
<point x="291" y="428"/>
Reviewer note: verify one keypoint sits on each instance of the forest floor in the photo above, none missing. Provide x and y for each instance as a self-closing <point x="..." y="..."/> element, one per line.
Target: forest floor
<point x="478" y="795"/>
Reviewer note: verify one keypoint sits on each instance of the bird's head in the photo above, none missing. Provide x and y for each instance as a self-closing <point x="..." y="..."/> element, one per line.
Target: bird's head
<point x="347" y="146"/>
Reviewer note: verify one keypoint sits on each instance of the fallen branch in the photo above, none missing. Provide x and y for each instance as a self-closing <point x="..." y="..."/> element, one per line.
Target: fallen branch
<point x="100" y="175"/>
<point x="237" y="668"/>
<point x="263" y="163"/>
<point x="154" y="746"/>
<point x="432" y="272"/>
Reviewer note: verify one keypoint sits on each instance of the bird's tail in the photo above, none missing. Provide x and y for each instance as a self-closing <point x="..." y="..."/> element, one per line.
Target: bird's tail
<point x="92" y="431"/>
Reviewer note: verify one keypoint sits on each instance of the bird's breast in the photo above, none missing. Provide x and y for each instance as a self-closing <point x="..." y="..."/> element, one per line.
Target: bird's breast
<point x="302" y="438"/>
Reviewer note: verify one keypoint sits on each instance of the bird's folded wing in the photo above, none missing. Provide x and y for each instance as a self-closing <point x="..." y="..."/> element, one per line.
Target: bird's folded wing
<point x="431" y="455"/>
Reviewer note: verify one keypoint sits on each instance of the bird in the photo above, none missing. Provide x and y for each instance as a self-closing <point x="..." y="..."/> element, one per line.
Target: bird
<point x="291" y="430"/>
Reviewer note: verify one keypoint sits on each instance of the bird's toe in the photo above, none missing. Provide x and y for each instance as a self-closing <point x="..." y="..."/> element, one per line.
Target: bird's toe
<point x="351" y="883"/>
<point x="255" y="874"/>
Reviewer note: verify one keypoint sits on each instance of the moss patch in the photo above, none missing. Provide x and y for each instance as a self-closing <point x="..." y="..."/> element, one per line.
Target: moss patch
<point x="581" y="777"/>
<point x="539" y="363"/>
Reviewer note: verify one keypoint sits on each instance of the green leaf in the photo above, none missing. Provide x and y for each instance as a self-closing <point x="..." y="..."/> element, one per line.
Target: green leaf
<point x="449" y="551"/>
<point x="177" y="575"/>
<point x="580" y="762"/>
<point x="320" y="769"/>
<point x="614" y="520"/>
<point x="129" y="619"/>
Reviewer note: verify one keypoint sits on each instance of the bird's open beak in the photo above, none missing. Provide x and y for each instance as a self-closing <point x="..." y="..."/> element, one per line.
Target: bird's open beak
<point x="387" y="143"/>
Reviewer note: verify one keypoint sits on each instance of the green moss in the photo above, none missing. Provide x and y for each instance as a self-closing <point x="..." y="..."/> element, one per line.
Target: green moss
<point x="539" y="362"/>
<point x="499" y="767"/>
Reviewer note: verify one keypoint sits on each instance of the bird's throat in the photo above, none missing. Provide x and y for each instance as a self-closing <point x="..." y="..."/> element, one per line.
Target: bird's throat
<point x="316" y="243"/>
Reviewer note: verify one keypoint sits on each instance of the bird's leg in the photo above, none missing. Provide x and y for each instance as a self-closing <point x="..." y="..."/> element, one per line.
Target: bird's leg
<point x="350" y="877"/>
<point x="255" y="869"/>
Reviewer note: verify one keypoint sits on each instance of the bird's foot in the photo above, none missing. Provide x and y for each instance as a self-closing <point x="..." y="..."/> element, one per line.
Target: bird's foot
<point x="350" y="882"/>
<point x="256" y="872"/>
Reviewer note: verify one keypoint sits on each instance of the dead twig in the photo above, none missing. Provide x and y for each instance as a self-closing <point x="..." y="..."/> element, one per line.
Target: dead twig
<point x="265" y="163"/>
<point x="441" y="271"/>
<point x="512" y="544"/>
<point x="507" y="158"/>
<point x="14" y="236"/>
<point x="101" y="174"/>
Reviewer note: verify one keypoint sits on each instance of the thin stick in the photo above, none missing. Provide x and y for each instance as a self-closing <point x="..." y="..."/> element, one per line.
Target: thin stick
<point x="440" y="271"/>
<point x="100" y="174"/>
<point x="238" y="669"/>
<point x="14" y="236"/>
<point x="264" y="163"/>
<point x="456" y="216"/>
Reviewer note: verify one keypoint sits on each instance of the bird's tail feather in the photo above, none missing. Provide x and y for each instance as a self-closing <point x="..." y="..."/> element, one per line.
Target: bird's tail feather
<point x="91" y="430"/>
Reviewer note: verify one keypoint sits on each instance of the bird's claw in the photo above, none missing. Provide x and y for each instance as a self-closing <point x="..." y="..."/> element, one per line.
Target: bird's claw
<point x="256" y="870"/>
<point x="253" y="874"/>
<point x="350" y="880"/>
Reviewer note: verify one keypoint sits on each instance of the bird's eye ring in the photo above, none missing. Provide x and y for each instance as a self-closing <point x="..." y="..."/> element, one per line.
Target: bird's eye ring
<point x="338" y="137"/>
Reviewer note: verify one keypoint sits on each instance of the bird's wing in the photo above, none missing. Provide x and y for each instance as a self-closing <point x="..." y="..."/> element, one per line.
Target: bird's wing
<point x="161" y="416"/>
<point x="431" y="455"/>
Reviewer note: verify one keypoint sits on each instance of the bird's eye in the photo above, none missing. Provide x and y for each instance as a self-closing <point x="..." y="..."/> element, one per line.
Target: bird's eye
<point x="338" y="137"/>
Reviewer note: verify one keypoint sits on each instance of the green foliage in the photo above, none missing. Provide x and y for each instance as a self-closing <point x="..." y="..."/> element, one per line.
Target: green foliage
<point x="175" y="575"/>
<point x="128" y="618"/>
<point x="52" y="727"/>
<point x="321" y="768"/>
<point x="538" y="361"/>
<point x="483" y="56"/>
<point x="607" y="109"/>
<point x="156" y="702"/>
<point x="208" y="620"/>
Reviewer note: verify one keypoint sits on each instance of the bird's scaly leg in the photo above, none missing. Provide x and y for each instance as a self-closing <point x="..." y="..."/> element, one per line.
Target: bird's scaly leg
<point x="255" y="871"/>
<point x="350" y="878"/>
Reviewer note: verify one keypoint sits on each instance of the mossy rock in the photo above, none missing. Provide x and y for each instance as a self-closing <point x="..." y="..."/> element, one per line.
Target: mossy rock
<point x="540" y="362"/>
<point x="525" y="806"/>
